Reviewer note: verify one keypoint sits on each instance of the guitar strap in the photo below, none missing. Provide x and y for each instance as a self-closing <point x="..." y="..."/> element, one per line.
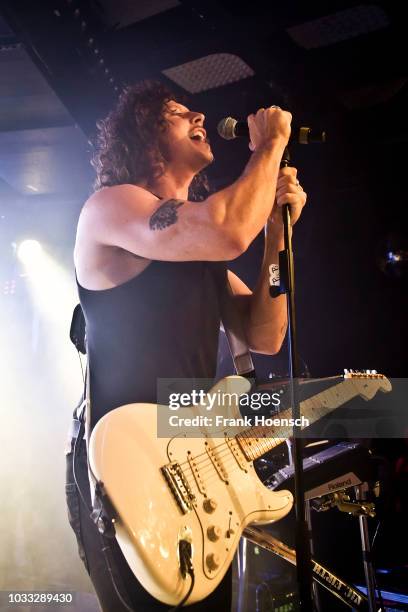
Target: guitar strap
<point x="235" y="332"/>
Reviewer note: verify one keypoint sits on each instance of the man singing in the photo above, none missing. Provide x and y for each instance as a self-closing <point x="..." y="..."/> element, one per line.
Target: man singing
<point x="150" y="262"/>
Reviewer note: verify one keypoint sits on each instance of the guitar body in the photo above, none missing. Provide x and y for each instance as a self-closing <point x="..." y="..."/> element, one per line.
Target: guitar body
<point x="165" y="490"/>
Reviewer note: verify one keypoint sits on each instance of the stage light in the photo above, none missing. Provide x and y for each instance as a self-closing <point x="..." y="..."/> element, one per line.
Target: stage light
<point x="9" y="287"/>
<point x="29" y="251"/>
<point x="51" y="286"/>
<point x="51" y="292"/>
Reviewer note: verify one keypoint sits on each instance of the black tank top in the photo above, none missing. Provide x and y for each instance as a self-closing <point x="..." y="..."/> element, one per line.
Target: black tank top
<point x="163" y="323"/>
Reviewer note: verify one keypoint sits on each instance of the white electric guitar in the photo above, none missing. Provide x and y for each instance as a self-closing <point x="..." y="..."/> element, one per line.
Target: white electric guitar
<point x="190" y="496"/>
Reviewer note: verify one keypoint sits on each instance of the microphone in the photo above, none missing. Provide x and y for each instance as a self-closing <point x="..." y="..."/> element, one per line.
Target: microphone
<point x="230" y="128"/>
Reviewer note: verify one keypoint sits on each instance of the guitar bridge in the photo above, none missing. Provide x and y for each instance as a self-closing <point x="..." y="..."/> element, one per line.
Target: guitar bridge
<point x="179" y="486"/>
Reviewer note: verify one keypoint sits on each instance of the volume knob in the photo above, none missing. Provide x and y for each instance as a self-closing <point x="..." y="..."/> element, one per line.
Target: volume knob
<point x="209" y="505"/>
<point x="213" y="561"/>
<point x="213" y="533"/>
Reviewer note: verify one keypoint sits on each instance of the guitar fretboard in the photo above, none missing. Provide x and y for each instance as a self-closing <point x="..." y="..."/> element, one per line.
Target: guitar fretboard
<point x="258" y="440"/>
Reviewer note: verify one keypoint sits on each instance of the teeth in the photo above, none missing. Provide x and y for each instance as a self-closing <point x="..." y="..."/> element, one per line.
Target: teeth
<point x="198" y="135"/>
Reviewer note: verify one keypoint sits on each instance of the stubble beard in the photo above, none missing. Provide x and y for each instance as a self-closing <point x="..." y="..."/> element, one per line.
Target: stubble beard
<point x="206" y="159"/>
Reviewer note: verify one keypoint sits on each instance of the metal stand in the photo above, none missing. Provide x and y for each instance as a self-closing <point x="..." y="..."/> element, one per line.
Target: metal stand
<point x="315" y="588"/>
<point x="242" y="576"/>
<point x="287" y="274"/>
<point x="360" y="493"/>
<point x="362" y="509"/>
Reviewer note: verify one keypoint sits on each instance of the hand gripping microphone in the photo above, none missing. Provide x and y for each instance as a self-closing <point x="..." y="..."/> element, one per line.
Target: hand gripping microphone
<point x="230" y="128"/>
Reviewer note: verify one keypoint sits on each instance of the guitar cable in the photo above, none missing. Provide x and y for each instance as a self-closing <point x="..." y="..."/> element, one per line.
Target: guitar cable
<point x="107" y="549"/>
<point x="186" y="568"/>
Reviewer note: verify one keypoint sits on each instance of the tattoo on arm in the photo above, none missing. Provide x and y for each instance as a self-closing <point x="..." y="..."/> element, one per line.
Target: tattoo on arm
<point x="165" y="215"/>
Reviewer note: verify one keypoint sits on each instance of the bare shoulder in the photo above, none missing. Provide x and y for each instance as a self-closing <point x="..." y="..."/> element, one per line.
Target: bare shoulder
<point x="99" y="263"/>
<point x="118" y="197"/>
<point x="112" y="207"/>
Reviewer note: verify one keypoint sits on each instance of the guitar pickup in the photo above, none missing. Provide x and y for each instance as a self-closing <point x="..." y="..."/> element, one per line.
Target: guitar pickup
<point x="237" y="453"/>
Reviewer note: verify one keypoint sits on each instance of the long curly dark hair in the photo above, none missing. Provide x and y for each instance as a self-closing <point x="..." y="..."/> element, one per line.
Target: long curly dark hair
<point x="127" y="140"/>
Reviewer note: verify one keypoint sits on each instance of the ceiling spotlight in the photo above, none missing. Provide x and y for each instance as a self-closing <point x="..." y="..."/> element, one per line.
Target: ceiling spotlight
<point x="29" y="251"/>
<point x="209" y="72"/>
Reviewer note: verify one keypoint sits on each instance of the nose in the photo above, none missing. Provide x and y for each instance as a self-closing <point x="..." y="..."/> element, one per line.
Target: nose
<point x="197" y="118"/>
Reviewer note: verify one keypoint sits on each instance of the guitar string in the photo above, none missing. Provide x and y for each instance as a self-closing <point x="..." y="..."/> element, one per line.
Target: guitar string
<point x="195" y="487"/>
<point x="228" y="457"/>
<point x="205" y="465"/>
<point x="313" y="409"/>
<point x="278" y="430"/>
<point x="208" y="474"/>
<point x="245" y="434"/>
<point x="193" y="484"/>
<point x="227" y="454"/>
<point x="213" y="471"/>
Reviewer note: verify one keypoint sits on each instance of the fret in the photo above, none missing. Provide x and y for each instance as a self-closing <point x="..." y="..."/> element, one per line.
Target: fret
<point x="257" y="441"/>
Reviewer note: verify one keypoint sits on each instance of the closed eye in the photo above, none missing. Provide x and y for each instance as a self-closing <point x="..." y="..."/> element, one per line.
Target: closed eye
<point x="178" y="111"/>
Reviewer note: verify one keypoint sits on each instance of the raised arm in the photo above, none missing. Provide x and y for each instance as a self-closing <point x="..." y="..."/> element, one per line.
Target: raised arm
<point x="219" y="228"/>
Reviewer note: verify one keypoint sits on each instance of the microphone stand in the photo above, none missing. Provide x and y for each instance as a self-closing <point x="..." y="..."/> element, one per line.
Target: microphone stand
<point x="287" y="285"/>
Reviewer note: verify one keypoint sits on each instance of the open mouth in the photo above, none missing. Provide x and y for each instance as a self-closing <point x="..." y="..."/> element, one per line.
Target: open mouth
<point x="199" y="140"/>
<point x="199" y="135"/>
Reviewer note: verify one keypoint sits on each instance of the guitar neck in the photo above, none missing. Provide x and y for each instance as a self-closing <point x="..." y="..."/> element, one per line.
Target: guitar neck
<point x="258" y="440"/>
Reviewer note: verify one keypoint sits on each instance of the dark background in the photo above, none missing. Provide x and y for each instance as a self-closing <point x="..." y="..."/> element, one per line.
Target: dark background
<point x="339" y="66"/>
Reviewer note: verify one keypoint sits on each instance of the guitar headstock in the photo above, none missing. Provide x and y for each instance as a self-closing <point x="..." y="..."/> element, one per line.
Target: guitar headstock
<point x="368" y="382"/>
